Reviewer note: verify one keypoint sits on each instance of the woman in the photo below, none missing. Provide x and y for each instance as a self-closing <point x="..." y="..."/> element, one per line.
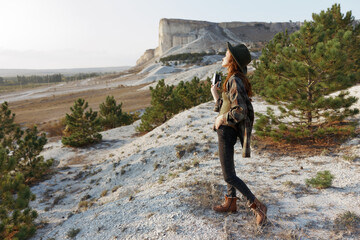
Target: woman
<point x="235" y="119"/>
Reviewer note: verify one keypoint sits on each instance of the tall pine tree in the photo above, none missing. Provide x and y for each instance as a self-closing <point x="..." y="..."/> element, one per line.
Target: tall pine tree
<point x="297" y="71"/>
<point x="82" y="127"/>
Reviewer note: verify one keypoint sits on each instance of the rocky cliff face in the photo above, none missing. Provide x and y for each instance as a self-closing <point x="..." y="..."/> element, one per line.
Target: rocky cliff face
<point x="181" y="36"/>
<point x="148" y="55"/>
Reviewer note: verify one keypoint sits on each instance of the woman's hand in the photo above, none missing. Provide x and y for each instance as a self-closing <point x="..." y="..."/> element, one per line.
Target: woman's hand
<point x="214" y="89"/>
<point x="219" y="121"/>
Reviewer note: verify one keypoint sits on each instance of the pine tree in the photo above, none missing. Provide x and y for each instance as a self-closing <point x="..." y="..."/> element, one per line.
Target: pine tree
<point x="167" y="101"/>
<point x="9" y="131"/>
<point x="24" y="145"/>
<point x="163" y="107"/>
<point x="30" y="146"/>
<point x="82" y="128"/>
<point x="20" y="166"/>
<point x="296" y="72"/>
<point x="15" y="214"/>
<point x="162" y="98"/>
<point x="112" y="116"/>
<point x="193" y="93"/>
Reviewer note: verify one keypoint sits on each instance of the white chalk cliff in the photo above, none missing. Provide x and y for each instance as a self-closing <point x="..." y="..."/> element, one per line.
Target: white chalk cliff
<point x="182" y="36"/>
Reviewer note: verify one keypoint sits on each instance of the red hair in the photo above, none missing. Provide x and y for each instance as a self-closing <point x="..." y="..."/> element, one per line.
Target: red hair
<point x="233" y="68"/>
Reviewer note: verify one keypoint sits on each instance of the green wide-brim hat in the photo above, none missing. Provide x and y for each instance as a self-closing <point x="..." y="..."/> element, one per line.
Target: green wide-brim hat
<point x="241" y="54"/>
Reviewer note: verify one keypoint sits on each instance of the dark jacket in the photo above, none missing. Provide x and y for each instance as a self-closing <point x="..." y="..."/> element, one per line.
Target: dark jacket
<point x="239" y="113"/>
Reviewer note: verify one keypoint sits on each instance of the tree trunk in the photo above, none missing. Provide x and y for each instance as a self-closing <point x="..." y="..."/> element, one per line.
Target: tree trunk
<point x="309" y="98"/>
<point x="309" y="112"/>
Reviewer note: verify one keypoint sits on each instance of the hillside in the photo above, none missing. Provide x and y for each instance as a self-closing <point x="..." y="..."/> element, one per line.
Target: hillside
<point x="131" y="187"/>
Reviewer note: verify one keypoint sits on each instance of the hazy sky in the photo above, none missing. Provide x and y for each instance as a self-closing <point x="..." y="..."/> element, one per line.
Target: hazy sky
<point x="103" y="33"/>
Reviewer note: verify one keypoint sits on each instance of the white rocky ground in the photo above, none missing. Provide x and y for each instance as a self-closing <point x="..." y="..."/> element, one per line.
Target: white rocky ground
<point x="154" y="194"/>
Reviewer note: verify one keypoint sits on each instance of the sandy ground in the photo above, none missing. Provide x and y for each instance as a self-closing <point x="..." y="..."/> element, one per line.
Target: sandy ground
<point x="140" y="188"/>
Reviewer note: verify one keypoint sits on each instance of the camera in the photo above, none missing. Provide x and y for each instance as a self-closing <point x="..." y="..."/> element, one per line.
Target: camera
<point x="216" y="79"/>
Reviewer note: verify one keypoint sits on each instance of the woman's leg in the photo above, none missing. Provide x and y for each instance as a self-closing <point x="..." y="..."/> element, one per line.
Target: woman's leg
<point x="227" y="139"/>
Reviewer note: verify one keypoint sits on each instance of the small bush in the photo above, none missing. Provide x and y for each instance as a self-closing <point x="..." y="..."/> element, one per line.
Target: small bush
<point x="173" y="175"/>
<point x="195" y="162"/>
<point x="161" y="179"/>
<point x="185" y="167"/>
<point x="350" y="158"/>
<point x="84" y="204"/>
<point x="191" y="147"/>
<point x="347" y="221"/>
<point x="73" y="232"/>
<point x="156" y="165"/>
<point x="289" y="184"/>
<point x="180" y="154"/>
<point x="321" y="181"/>
<point x="203" y="194"/>
<point x="58" y="199"/>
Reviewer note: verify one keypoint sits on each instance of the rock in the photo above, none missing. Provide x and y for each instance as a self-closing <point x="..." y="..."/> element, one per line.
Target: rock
<point x="182" y="36"/>
<point x="148" y="55"/>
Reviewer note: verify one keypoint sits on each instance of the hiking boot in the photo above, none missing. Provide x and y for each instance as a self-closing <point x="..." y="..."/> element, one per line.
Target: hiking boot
<point x="229" y="205"/>
<point x="260" y="211"/>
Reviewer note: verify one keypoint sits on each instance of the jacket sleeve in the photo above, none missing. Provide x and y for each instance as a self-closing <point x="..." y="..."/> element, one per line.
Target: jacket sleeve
<point x="238" y="107"/>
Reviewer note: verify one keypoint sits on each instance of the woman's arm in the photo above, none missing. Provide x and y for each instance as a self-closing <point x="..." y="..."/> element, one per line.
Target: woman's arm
<point x="214" y="92"/>
<point x="218" y="101"/>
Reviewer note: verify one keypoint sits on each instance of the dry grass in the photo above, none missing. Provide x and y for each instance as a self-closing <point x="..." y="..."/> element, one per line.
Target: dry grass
<point x="84" y="204"/>
<point x="104" y="193"/>
<point x="58" y="199"/>
<point x="6" y="89"/>
<point x="44" y="111"/>
<point x="78" y="159"/>
<point x="347" y="221"/>
<point x="115" y="188"/>
<point x="303" y="148"/>
<point x="204" y="194"/>
<point x="53" y="128"/>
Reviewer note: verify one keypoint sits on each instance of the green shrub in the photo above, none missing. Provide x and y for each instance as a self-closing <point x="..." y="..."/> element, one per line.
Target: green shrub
<point x="73" y="232"/>
<point x="112" y="116"/>
<point x="322" y="180"/>
<point x="82" y="128"/>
